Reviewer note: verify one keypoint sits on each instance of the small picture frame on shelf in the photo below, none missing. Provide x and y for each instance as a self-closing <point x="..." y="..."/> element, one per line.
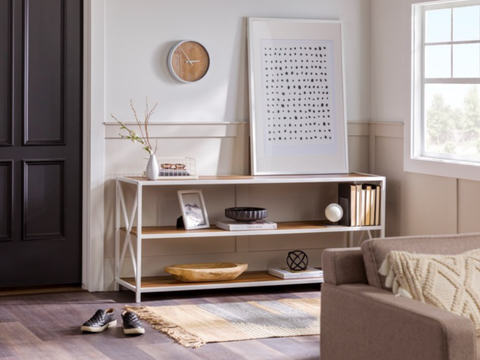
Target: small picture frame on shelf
<point x="194" y="211"/>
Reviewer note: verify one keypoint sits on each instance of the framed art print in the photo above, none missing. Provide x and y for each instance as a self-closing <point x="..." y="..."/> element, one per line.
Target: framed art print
<point x="297" y="102"/>
<point x="194" y="211"/>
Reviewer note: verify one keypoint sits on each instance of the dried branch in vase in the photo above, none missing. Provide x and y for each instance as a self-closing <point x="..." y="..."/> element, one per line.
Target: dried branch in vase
<point x="144" y="137"/>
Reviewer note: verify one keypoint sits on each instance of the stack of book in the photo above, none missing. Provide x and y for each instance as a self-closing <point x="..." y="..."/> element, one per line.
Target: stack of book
<point x="360" y="204"/>
<point x="285" y="273"/>
<point x="233" y="225"/>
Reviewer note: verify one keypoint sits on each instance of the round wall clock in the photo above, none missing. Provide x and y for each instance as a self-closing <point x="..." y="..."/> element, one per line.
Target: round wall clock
<point x="188" y="61"/>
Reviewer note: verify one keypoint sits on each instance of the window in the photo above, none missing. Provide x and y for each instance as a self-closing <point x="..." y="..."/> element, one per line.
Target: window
<point x="446" y="83"/>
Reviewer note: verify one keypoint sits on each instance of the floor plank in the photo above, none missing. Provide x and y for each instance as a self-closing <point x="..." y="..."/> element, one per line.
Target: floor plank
<point x="255" y="350"/>
<point x="169" y="351"/>
<point x="300" y="347"/>
<point x="217" y="351"/>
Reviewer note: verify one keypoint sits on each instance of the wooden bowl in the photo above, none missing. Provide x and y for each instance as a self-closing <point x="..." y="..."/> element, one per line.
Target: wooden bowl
<point x="206" y="272"/>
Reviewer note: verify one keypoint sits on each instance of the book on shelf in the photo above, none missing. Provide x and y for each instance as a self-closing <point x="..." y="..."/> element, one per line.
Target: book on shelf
<point x="360" y="204"/>
<point x="358" y="197"/>
<point x="233" y="225"/>
<point x="347" y="201"/>
<point x="373" y="205"/>
<point x="367" y="188"/>
<point x="285" y="273"/>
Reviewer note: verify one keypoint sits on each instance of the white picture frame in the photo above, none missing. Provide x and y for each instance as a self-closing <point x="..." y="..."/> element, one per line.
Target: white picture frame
<point x="194" y="211"/>
<point x="289" y="128"/>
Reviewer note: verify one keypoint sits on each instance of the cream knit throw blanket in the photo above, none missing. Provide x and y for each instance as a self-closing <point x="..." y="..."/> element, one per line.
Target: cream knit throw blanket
<point x="451" y="282"/>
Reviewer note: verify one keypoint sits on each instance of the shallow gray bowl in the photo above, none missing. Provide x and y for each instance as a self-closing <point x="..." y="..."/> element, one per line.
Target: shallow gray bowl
<point x="246" y="213"/>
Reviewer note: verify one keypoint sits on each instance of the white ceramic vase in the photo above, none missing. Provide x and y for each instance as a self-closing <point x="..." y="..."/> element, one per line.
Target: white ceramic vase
<point x="152" y="168"/>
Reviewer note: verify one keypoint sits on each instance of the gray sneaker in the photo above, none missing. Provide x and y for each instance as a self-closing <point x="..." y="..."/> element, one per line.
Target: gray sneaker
<point x="100" y="321"/>
<point x="131" y="323"/>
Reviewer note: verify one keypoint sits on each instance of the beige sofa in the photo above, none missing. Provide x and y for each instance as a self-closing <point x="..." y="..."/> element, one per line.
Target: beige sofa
<point x="361" y="319"/>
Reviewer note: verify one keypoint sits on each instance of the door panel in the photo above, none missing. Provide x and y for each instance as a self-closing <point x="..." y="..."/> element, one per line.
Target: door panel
<point x="6" y="29"/>
<point x="43" y="200"/>
<point x="44" y="73"/>
<point x="6" y="205"/>
<point x="40" y="164"/>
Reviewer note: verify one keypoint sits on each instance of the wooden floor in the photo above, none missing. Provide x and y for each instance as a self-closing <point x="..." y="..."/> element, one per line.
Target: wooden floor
<point x="47" y="326"/>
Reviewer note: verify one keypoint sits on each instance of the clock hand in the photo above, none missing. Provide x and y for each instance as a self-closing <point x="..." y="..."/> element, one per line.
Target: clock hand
<point x="186" y="57"/>
<point x="192" y="61"/>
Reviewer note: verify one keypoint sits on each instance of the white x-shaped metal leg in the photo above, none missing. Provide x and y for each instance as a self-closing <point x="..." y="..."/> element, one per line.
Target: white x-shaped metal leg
<point x="128" y="241"/>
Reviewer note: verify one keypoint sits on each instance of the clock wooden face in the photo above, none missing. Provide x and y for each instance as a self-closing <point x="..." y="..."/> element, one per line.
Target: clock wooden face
<point x="188" y="61"/>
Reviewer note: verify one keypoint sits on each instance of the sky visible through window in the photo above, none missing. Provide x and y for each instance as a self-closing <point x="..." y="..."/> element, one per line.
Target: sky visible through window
<point x="451" y="72"/>
<point x="439" y="31"/>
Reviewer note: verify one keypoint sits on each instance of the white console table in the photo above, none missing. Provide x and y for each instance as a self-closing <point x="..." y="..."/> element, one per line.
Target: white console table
<point x="132" y="227"/>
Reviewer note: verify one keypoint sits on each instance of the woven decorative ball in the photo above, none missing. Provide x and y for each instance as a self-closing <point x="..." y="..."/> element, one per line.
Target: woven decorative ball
<point x="297" y="260"/>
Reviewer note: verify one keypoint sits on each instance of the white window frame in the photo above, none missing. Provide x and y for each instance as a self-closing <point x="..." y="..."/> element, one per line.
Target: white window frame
<point x="414" y="160"/>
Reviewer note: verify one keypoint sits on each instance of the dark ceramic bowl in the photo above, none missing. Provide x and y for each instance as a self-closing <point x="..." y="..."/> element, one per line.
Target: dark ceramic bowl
<point x="246" y="213"/>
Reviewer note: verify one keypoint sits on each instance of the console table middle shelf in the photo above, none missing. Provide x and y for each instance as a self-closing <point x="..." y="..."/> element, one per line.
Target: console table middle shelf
<point x="294" y="227"/>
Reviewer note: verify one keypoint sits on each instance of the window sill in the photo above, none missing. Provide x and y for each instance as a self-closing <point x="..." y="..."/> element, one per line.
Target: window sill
<point x="440" y="167"/>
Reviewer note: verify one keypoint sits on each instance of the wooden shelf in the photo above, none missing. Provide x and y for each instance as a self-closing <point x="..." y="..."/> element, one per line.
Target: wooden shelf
<point x="248" y="279"/>
<point x="293" y="227"/>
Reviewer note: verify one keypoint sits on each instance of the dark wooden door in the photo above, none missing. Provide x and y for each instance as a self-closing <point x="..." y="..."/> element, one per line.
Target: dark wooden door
<point x="40" y="142"/>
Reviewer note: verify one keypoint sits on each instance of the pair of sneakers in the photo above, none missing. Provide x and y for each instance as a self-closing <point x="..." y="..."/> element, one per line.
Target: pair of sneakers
<point x="103" y="319"/>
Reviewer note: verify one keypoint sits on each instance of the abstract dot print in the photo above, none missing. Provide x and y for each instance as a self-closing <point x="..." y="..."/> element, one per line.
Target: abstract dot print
<point x="297" y="86"/>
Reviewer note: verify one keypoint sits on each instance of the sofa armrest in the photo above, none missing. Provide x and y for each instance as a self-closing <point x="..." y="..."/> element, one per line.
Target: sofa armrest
<point x="361" y="322"/>
<point x="343" y="266"/>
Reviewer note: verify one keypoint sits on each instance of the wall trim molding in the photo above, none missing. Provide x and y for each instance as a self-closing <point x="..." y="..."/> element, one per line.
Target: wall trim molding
<point x="231" y="129"/>
<point x="358" y="128"/>
<point x="184" y="129"/>
<point x="387" y="129"/>
<point x="93" y="237"/>
<point x="239" y="123"/>
<point x="169" y="129"/>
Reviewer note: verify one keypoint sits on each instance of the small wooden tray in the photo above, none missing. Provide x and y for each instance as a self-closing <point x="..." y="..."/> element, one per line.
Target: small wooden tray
<point x="206" y="272"/>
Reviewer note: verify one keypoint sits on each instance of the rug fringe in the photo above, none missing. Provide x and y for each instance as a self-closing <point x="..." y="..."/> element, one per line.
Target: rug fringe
<point x="180" y="335"/>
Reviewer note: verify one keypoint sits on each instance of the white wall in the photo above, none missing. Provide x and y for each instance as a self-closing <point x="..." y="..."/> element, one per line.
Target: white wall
<point x="139" y="34"/>
<point x="390" y="60"/>
<point x="208" y="119"/>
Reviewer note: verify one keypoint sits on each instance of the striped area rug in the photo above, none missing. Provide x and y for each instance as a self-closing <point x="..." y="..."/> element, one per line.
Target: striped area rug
<point x="196" y="325"/>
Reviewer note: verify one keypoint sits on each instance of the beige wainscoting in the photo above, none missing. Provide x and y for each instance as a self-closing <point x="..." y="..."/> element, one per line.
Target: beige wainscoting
<point x="416" y="203"/>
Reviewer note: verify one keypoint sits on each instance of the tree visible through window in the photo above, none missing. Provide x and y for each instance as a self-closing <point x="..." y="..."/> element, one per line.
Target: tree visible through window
<point x="454" y="128"/>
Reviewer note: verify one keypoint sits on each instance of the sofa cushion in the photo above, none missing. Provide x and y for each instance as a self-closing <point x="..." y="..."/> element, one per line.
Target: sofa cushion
<point x="448" y="282"/>
<point x="375" y="250"/>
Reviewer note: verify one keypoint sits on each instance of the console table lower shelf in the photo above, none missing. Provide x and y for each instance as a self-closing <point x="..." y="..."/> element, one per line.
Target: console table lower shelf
<point x="248" y="279"/>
